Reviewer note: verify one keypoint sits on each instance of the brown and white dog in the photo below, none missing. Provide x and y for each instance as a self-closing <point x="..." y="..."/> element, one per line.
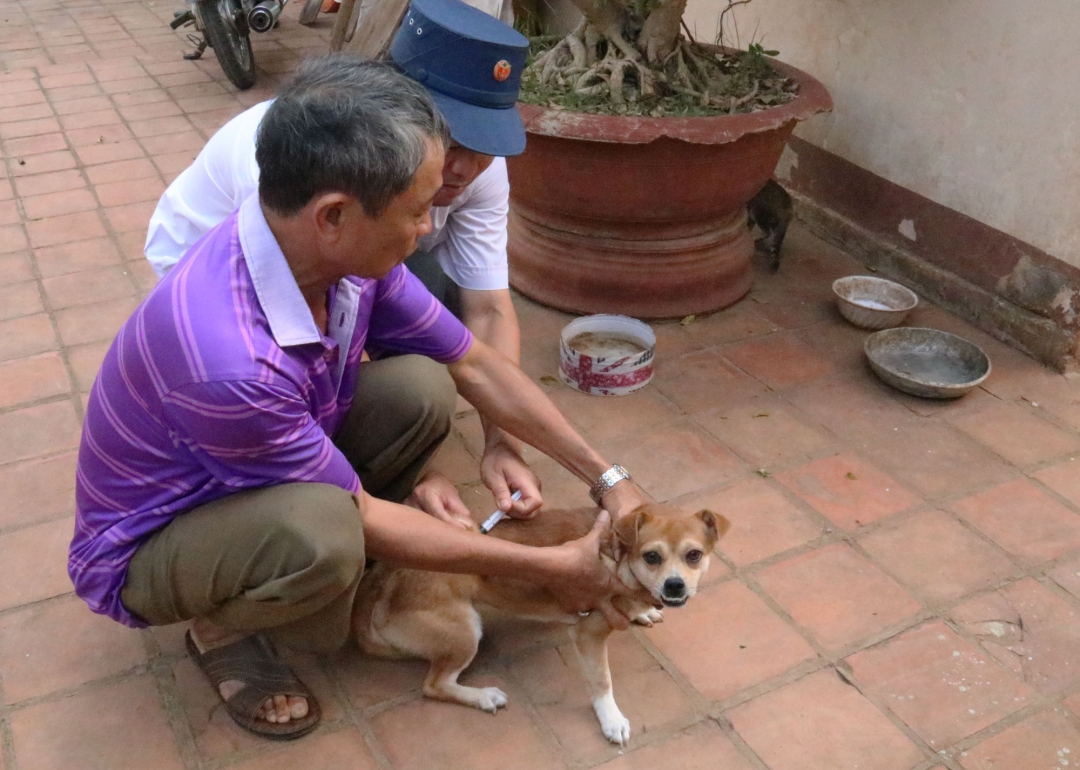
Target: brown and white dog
<point x="657" y="551"/>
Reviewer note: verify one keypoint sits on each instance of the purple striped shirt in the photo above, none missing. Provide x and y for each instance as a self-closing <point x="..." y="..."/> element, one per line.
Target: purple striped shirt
<point x="220" y="381"/>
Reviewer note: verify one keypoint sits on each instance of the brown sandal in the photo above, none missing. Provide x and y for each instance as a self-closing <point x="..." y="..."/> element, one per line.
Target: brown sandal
<point x="254" y="661"/>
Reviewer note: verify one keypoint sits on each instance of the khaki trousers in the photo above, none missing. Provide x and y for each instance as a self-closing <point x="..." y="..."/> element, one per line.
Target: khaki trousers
<point x="286" y="560"/>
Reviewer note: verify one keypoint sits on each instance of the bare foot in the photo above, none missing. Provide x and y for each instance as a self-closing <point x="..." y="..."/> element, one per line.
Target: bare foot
<point x="279" y="709"/>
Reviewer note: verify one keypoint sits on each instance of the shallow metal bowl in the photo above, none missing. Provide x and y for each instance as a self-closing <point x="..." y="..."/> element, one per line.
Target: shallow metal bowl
<point x="873" y="303"/>
<point x="927" y="362"/>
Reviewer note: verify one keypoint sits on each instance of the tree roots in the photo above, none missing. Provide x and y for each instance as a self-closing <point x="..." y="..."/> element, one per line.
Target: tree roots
<point x="594" y="63"/>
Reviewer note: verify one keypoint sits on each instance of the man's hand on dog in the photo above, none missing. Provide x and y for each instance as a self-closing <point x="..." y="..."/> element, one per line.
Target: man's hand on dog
<point x="436" y="495"/>
<point x="587" y="585"/>
<point x="623" y="498"/>
<point x="502" y="471"/>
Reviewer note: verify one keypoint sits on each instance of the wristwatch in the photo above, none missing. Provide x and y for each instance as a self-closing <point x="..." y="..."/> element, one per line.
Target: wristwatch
<point x="607" y="480"/>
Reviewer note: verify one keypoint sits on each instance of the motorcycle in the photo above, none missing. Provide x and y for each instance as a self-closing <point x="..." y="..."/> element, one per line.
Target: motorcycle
<point x="225" y="26"/>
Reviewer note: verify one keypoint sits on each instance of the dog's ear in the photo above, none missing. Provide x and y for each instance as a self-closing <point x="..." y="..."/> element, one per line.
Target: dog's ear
<point x="715" y="526"/>
<point x="627" y="527"/>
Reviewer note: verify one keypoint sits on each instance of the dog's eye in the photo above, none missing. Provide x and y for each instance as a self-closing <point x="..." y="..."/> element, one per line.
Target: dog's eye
<point x="652" y="558"/>
<point x="693" y="557"/>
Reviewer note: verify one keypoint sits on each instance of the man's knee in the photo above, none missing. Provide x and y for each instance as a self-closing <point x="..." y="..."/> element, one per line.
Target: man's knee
<point x="418" y="391"/>
<point x="325" y="539"/>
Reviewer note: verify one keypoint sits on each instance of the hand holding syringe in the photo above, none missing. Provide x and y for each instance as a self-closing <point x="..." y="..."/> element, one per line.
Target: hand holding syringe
<point x="496" y="517"/>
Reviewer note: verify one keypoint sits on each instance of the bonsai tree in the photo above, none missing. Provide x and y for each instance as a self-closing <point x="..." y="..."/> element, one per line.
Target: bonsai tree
<point x="631" y="57"/>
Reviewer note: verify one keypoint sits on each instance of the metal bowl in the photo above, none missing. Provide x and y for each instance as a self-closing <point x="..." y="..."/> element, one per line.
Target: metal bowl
<point x="873" y="303"/>
<point x="927" y="362"/>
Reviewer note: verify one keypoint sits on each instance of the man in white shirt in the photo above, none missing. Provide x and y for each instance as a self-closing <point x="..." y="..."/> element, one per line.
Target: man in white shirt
<point x="471" y="65"/>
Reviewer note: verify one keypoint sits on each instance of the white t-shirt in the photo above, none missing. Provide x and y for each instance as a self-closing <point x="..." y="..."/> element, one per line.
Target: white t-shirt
<point x="468" y="236"/>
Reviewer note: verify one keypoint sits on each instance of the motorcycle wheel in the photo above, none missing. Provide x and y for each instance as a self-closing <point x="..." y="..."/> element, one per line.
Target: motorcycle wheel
<point x="310" y="11"/>
<point x="231" y="47"/>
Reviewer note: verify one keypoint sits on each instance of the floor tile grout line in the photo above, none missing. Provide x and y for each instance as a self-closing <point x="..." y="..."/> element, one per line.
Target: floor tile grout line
<point x="161" y="670"/>
<point x="354" y="715"/>
<point x="45" y="602"/>
<point x="11" y="530"/>
<point x="524" y="702"/>
<point x="76" y="690"/>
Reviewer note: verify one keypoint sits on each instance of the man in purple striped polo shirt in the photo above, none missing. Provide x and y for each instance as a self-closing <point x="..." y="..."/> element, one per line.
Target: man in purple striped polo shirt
<point x="240" y="460"/>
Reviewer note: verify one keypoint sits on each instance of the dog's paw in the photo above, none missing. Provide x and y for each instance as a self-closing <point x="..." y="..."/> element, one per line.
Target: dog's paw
<point x="491" y="699"/>
<point x="616" y="727"/>
<point x="617" y="730"/>
<point x="650" y="616"/>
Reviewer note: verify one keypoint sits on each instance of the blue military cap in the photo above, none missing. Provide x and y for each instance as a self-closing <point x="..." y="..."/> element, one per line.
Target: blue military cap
<point x="471" y="65"/>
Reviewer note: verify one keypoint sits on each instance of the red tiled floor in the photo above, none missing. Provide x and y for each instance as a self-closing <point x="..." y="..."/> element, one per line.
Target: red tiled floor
<point x="22" y="299"/>
<point x="1023" y="520"/>
<point x="726" y="639"/>
<point x="780" y="361"/>
<point x="54" y="181"/>
<point x="1067" y="575"/>
<point x="34" y="145"/>
<point x="121" y="171"/>
<point x="461" y="738"/>
<point x="35" y="660"/>
<point x="59" y="735"/>
<point x="938" y="684"/>
<point x="86" y="361"/>
<point x="1018" y="435"/>
<point x="1048" y="739"/>
<point x="645" y="693"/>
<point x="108" y="152"/>
<point x="32" y="379"/>
<point x="936" y="557"/>
<point x="703" y="380"/>
<point x="117" y="114"/>
<point x="1030" y="630"/>
<point x="38" y="430"/>
<point x="703" y="747"/>
<point x="130" y="191"/>
<point x="12" y="238"/>
<point x="847" y="490"/>
<point x="88" y="286"/>
<point x="106" y="134"/>
<point x="673" y="460"/>
<point x="37" y="490"/>
<point x="821" y="723"/>
<point x="836" y="595"/>
<point x="850" y="409"/>
<point x="94" y="323"/>
<point x="935" y="460"/>
<point x="25" y="128"/>
<point x="341" y="750"/>
<point x="91" y="119"/>
<point x="370" y="681"/>
<point x="733" y="324"/>
<point x="15" y="268"/>
<point x="54" y="261"/>
<point x="1062" y="478"/>
<point x="763" y="521"/>
<point x="58" y="204"/>
<point x="131" y="216"/>
<point x="766" y="432"/>
<point x="26" y="336"/>
<point x="65" y="229"/>
<point x="601" y="418"/>
<point x="34" y="566"/>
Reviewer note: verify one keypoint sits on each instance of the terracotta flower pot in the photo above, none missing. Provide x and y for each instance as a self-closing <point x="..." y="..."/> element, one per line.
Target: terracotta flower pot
<point x="643" y="216"/>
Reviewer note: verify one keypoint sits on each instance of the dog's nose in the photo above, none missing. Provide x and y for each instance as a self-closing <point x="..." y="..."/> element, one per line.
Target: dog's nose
<point x="674" y="587"/>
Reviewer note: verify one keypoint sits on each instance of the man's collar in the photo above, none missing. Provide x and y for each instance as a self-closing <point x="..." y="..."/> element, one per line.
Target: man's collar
<point x="290" y="318"/>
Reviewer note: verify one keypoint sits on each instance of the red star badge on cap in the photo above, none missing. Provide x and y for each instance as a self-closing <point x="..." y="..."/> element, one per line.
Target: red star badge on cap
<point x="502" y="70"/>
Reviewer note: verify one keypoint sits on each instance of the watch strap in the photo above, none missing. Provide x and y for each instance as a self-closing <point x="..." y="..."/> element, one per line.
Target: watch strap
<point x="607" y="480"/>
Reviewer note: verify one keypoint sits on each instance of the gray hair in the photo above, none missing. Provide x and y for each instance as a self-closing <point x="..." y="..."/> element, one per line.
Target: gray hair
<point x="344" y="124"/>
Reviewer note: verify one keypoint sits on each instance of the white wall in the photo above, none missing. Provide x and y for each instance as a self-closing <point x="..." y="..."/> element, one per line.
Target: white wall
<point x="974" y="104"/>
